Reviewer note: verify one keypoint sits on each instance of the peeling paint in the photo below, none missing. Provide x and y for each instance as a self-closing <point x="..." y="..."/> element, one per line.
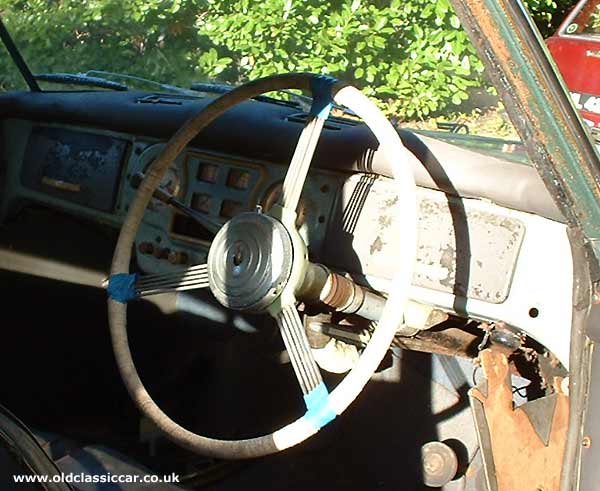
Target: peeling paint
<point x="376" y="246"/>
<point x="473" y="257"/>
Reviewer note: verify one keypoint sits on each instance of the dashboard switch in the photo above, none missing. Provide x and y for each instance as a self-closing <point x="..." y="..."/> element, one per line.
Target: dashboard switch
<point x="238" y="179"/>
<point x="177" y="257"/>
<point x="201" y="202"/>
<point x="231" y="208"/>
<point x="146" y="248"/>
<point x="207" y="172"/>
<point x="160" y="253"/>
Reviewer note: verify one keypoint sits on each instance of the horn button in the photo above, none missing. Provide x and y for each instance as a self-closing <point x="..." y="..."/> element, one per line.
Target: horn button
<point x="250" y="262"/>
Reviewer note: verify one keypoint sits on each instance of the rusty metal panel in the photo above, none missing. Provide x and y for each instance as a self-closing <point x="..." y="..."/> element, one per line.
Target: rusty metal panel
<point x="515" y="455"/>
<point x="538" y="103"/>
<point x="463" y="247"/>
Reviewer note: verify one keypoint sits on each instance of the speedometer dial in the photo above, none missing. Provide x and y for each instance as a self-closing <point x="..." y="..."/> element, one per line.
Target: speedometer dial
<point x="171" y="182"/>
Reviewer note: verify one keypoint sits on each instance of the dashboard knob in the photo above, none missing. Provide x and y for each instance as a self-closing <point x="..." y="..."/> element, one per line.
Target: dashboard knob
<point x="160" y="253"/>
<point x="146" y="248"/>
<point x="177" y="257"/>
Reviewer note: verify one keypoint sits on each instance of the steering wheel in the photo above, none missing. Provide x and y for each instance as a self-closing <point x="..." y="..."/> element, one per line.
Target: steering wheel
<point x="258" y="262"/>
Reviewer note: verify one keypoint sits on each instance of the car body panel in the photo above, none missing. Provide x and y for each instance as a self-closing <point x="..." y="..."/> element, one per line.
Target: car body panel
<point x="577" y="55"/>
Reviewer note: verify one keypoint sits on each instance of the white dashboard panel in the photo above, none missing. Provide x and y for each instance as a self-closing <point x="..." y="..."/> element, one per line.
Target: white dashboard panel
<point x="474" y="257"/>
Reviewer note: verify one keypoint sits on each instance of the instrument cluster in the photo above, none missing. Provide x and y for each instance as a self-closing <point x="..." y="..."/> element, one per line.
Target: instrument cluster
<point x="219" y="187"/>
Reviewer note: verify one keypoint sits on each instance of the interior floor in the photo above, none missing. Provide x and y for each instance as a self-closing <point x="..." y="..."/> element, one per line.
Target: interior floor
<point x="219" y="381"/>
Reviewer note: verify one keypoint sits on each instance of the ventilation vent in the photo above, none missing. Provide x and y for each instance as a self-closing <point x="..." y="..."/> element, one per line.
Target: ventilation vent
<point x="167" y="99"/>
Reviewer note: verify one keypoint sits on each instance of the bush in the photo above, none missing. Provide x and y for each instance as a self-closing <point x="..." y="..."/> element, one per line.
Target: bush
<point x="411" y="55"/>
<point x="152" y="38"/>
<point x="548" y="14"/>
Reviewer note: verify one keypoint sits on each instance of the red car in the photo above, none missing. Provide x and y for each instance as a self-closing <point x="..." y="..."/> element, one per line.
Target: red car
<point x="576" y="50"/>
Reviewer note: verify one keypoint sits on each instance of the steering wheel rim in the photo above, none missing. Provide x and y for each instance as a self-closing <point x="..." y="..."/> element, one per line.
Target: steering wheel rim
<point x="348" y="389"/>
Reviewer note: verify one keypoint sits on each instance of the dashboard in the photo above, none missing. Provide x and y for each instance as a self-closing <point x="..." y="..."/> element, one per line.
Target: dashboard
<point x="77" y="153"/>
<point x="89" y="174"/>
<point x="219" y="187"/>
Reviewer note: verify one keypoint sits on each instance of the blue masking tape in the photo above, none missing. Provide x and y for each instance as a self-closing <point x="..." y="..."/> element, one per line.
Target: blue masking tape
<point x="318" y="412"/>
<point x="121" y="287"/>
<point x="321" y="86"/>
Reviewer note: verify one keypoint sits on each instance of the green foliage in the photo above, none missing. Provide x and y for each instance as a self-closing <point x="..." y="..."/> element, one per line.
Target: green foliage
<point x="154" y="38"/>
<point x="411" y="55"/>
<point x="594" y="21"/>
<point x="548" y="14"/>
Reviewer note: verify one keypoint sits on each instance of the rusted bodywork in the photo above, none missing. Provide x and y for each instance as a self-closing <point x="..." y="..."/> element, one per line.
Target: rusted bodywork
<point x="521" y="447"/>
<point x="560" y="148"/>
<point x="536" y="99"/>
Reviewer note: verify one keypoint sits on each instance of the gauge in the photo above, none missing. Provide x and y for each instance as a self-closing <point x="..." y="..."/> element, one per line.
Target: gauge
<point x="272" y="196"/>
<point x="201" y="202"/>
<point x="171" y="182"/>
<point x="208" y="172"/>
<point x="238" y="179"/>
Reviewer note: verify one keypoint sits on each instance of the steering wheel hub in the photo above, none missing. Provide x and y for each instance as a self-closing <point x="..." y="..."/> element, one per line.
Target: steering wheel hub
<point x="250" y="262"/>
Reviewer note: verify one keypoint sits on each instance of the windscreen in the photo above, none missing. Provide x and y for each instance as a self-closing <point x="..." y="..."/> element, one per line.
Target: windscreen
<point x="412" y="57"/>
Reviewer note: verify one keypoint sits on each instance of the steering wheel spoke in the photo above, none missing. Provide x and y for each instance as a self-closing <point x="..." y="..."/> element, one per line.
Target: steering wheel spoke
<point x="298" y="348"/>
<point x="298" y="169"/>
<point x="191" y="278"/>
